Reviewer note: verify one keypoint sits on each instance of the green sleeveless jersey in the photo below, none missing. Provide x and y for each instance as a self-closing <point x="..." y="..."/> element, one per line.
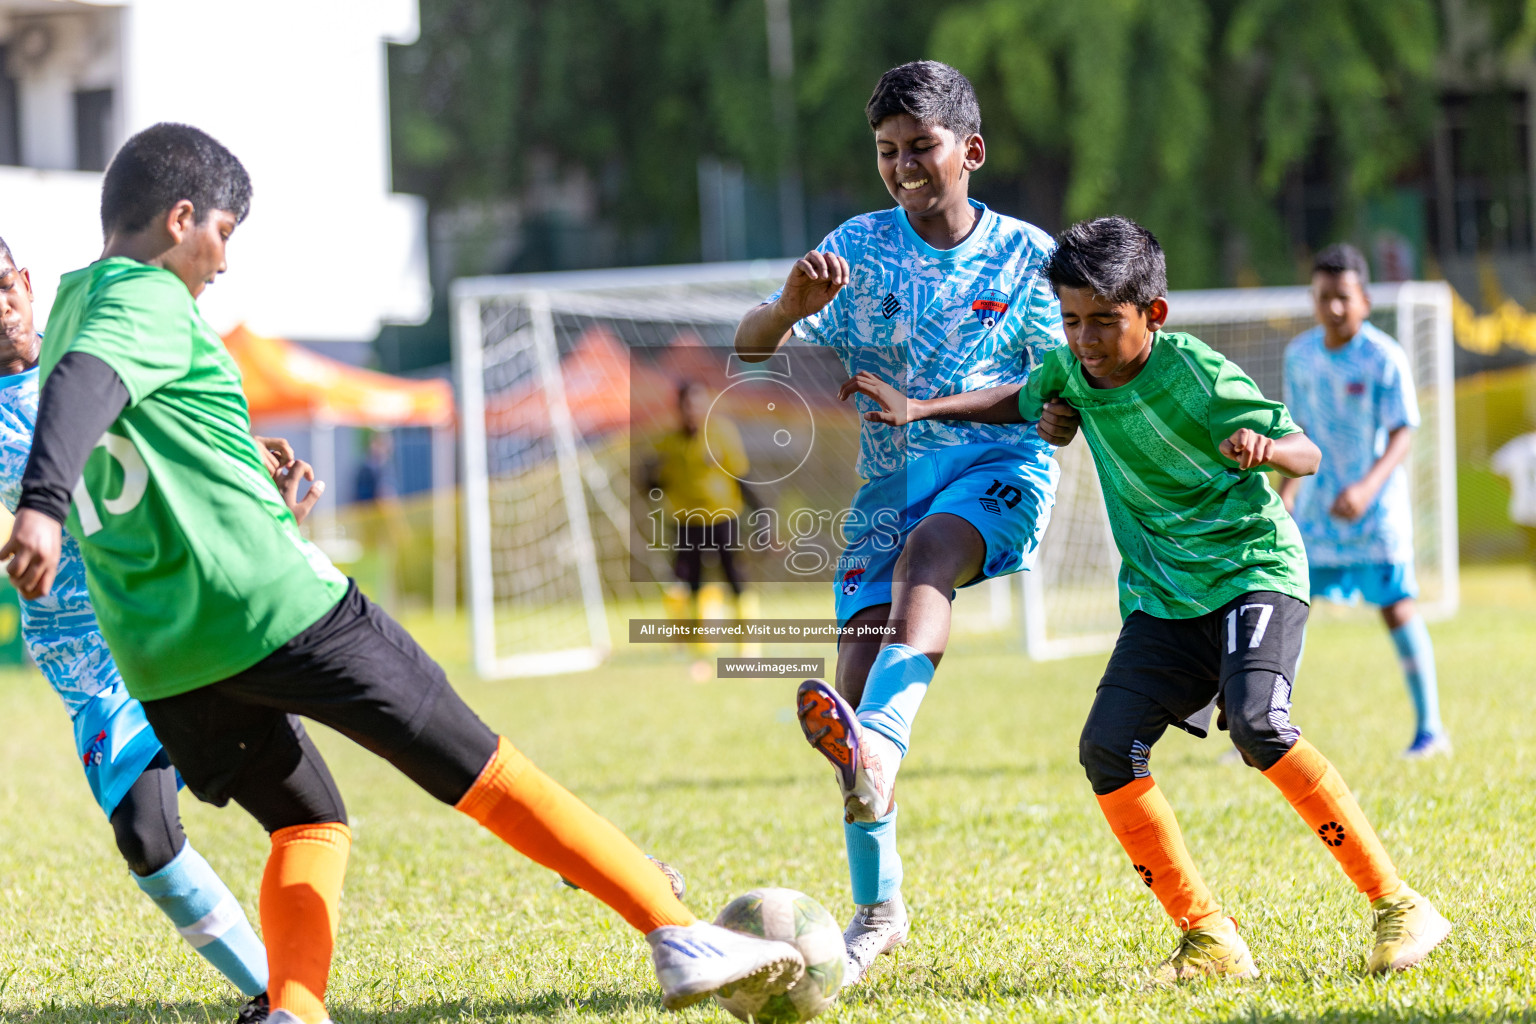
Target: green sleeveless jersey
<point x="195" y="566"/>
<point x="1193" y="530"/>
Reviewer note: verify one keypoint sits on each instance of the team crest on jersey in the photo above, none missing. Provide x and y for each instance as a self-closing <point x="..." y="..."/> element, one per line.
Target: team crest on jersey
<point x="989" y="307"/>
<point x="851" y="581"/>
<point x="1355" y="387"/>
<point x="93" y="753"/>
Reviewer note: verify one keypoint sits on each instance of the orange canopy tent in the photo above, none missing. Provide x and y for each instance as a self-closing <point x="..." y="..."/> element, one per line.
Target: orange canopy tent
<point x="287" y="380"/>
<point x="283" y="380"/>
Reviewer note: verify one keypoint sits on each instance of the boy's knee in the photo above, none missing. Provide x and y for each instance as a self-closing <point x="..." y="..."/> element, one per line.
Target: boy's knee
<point x="146" y="846"/>
<point x="1109" y="756"/>
<point x="1258" y="718"/>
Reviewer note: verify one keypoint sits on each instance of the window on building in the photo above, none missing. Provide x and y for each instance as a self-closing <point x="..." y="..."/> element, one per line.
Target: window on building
<point x="10" y="115"/>
<point x="93" y="128"/>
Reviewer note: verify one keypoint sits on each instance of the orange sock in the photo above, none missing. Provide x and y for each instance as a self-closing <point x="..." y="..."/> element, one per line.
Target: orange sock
<point x="540" y="819"/>
<point x="300" y="898"/>
<point x="1146" y="827"/>
<point x="1317" y="791"/>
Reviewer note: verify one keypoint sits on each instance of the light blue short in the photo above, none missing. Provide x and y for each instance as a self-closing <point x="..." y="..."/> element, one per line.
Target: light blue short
<point x="115" y="744"/>
<point x="1005" y="492"/>
<point x="1380" y="583"/>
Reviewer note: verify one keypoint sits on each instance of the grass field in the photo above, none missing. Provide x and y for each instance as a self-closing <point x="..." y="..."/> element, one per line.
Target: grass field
<point x="1025" y="908"/>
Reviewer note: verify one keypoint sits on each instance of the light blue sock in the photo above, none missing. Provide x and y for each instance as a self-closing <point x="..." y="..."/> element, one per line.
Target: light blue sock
<point x="1417" y="654"/>
<point x="206" y="913"/>
<point x="893" y="691"/>
<point x="873" y="863"/>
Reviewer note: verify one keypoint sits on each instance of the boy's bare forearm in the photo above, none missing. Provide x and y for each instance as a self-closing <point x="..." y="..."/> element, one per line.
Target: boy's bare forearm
<point x="988" y="405"/>
<point x="1398" y="444"/>
<point x="762" y="331"/>
<point x="1295" y="455"/>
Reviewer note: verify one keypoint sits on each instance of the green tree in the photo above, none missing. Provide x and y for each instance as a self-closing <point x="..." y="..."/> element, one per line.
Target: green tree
<point x="1191" y="114"/>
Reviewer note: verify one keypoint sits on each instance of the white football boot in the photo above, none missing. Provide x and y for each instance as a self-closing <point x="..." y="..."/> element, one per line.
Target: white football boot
<point x="694" y="960"/>
<point x="284" y="1017"/>
<point x="865" y="761"/>
<point x="876" y="928"/>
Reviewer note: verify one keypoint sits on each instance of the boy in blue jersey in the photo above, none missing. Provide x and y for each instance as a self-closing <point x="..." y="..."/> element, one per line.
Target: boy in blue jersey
<point x="946" y="296"/>
<point x="128" y="772"/>
<point x="1349" y="387"/>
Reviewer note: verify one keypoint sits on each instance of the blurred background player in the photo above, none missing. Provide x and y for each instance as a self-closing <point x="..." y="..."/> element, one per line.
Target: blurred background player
<point x="939" y="294"/>
<point x="128" y="772"/>
<point x="227" y="624"/>
<point x="1348" y="385"/>
<point x="1212" y="587"/>
<point x="699" y="477"/>
<point x="1516" y="461"/>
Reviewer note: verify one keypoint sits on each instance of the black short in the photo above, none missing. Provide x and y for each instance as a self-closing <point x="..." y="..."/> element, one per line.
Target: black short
<point x="355" y="670"/>
<point x="1183" y="664"/>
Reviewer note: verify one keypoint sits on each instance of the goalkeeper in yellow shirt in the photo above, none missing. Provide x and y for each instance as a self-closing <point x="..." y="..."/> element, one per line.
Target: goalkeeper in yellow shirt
<point x="698" y="475"/>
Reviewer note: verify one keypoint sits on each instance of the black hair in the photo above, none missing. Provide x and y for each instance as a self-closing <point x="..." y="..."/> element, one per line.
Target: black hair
<point x="5" y="253"/>
<point x="164" y="164"/>
<point x="932" y="93"/>
<point x="1116" y="257"/>
<point x="1338" y="258"/>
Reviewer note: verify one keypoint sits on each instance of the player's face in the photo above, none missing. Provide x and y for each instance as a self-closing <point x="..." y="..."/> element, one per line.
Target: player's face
<point x="694" y="408"/>
<point x="1341" y="305"/>
<point x="18" y="337"/>
<point x="925" y="168"/>
<point x="199" y="256"/>
<point x="1112" y="340"/>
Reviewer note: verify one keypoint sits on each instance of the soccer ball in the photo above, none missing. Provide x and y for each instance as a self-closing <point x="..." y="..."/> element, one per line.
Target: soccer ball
<point x="795" y="918"/>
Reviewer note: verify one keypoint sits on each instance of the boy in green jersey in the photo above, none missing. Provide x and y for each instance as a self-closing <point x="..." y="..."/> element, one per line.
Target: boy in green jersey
<point x="1213" y="583"/>
<point x="228" y="625"/>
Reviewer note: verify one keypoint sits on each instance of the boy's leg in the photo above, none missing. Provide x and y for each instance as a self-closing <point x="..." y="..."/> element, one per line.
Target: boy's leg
<point x="228" y="749"/>
<point x="180" y="882"/>
<point x="1160" y="674"/>
<point x="1263" y="636"/>
<point x="1416" y="654"/>
<point x="357" y="671"/>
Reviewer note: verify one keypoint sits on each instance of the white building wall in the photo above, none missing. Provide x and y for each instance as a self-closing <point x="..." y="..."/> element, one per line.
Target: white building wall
<point x="298" y="90"/>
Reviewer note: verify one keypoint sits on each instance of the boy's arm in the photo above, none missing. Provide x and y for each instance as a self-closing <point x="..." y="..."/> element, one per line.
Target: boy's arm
<point x="1057" y="425"/>
<point x="1292" y="455"/>
<point x="1353" y="500"/>
<point x="813" y="282"/>
<point x="82" y="397"/>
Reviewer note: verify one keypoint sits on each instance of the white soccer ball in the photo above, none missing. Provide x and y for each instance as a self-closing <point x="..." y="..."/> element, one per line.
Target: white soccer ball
<point x="792" y="917"/>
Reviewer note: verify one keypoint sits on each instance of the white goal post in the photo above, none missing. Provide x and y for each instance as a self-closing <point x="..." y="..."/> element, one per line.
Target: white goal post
<point x="542" y="363"/>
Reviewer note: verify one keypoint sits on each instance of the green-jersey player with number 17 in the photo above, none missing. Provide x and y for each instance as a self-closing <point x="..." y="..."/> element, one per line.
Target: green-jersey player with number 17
<point x="1213" y="585"/>
<point x="228" y="625"/>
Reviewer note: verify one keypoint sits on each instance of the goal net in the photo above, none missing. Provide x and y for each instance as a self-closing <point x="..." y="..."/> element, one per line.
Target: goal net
<point x="566" y="380"/>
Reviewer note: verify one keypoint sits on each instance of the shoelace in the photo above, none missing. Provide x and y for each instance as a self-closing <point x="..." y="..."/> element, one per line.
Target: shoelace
<point x="1392" y="921"/>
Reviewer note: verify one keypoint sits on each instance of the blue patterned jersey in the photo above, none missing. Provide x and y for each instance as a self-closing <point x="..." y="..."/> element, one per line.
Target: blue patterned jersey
<point x="60" y="629"/>
<point x="1348" y="401"/>
<point x="938" y="322"/>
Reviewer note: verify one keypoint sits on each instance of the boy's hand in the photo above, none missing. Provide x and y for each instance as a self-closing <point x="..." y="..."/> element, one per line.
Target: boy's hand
<point x="895" y="408"/>
<point x="815" y="278"/>
<point x="1059" y="422"/>
<point x="1353" y="501"/>
<point x="276" y="452"/>
<point x="1248" y="448"/>
<point x="34" y="553"/>
<point x="288" y="480"/>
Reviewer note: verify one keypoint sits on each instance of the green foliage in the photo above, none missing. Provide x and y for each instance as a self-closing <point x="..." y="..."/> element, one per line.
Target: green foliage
<point x="1196" y="116"/>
